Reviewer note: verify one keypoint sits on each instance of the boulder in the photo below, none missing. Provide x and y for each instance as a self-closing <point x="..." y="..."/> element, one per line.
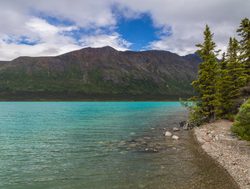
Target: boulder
<point x="176" y="129"/>
<point x="168" y="134"/>
<point x="175" y="137"/>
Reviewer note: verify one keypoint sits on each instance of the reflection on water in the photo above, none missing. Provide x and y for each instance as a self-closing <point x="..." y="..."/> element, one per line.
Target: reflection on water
<point x="100" y="145"/>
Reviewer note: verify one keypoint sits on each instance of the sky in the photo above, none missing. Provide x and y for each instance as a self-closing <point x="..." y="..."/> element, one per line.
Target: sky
<point x="53" y="27"/>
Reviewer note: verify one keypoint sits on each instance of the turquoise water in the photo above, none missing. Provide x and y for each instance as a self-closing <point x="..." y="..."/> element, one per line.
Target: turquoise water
<point x="99" y="145"/>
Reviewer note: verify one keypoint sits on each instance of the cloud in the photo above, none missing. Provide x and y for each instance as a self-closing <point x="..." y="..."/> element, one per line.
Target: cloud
<point x="49" y="40"/>
<point x="114" y="40"/>
<point x="25" y="31"/>
<point x="22" y="19"/>
<point x="41" y="39"/>
<point x="188" y="19"/>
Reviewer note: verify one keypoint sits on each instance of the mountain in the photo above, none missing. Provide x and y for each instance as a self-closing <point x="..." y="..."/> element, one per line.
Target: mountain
<point x="194" y="58"/>
<point x="99" y="73"/>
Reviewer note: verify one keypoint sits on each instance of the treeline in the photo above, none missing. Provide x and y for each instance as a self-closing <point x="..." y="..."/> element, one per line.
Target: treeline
<point x="220" y="82"/>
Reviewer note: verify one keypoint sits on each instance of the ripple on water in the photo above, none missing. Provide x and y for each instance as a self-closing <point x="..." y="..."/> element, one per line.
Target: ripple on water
<point x="101" y="145"/>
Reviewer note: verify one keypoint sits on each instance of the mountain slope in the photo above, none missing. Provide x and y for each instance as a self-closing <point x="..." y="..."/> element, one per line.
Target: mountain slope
<point x="98" y="72"/>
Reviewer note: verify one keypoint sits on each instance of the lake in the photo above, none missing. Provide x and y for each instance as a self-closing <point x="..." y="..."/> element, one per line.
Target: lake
<point x="101" y="145"/>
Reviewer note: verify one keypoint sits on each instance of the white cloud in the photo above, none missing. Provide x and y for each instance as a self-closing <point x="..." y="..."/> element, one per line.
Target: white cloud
<point x="10" y="51"/>
<point x="114" y="40"/>
<point x="51" y="40"/>
<point x="20" y="18"/>
<point x="187" y="19"/>
<point x="48" y="40"/>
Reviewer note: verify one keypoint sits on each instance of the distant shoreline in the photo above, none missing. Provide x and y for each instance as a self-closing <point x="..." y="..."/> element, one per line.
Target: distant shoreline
<point x="85" y="97"/>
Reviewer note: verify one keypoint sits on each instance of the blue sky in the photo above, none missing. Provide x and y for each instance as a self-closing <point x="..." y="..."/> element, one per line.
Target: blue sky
<point x="138" y="31"/>
<point x="53" y="27"/>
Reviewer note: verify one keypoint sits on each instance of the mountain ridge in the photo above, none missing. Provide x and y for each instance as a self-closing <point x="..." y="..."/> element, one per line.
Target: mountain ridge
<point x="99" y="72"/>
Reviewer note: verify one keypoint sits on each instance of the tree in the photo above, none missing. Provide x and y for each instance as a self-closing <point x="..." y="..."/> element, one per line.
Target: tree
<point x="236" y="72"/>
<point x="244" y="33"/>
<point x="221" y="88"/>
<point x="205" y="84"/>
<point x="231" y="79"/>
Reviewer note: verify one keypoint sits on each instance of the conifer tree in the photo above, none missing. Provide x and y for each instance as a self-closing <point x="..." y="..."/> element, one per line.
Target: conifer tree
<point x="235" y="69"/>
<point x="244" y="33"/>
<point x="230" y="79"/>
<point x="205" y="84"/>
<point x="222" y="84"/>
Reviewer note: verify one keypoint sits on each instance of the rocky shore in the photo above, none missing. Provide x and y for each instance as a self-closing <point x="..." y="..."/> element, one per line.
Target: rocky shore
<point x="233" y="154"/>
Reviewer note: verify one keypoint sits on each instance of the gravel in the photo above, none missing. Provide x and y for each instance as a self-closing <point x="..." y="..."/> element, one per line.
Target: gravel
<point x="222" y="145"/>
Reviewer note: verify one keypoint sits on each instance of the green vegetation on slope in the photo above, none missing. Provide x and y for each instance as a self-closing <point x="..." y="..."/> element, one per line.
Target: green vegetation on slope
<point x="242" y="124"/>
<point x="99" y="71"/>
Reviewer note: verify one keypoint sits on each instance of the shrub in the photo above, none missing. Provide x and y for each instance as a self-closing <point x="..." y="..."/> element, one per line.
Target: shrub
<point x="230" y="117"/>
<point x="196" y="117"/>
<point x="242" y="124"/>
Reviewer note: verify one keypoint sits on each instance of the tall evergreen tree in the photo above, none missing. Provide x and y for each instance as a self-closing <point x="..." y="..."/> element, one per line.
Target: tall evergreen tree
<point x="205" y="84"/>
<point x="235" y="69"/>
<point x="222" y="84"/>
<point x="244" y="33"/>
<point x="230" y="79"/>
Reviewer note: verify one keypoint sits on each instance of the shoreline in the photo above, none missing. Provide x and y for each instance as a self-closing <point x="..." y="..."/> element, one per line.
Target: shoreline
<point x="63" y="96"/>
<point x="232" y="154"/>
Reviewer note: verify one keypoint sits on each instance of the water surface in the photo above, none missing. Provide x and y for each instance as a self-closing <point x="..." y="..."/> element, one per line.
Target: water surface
<point x="100" y="145"/>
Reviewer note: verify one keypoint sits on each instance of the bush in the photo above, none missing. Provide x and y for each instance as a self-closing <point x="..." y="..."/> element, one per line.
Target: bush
<point x="196" y="117"/>
<point x="242" y="124"/>
<point x="230" y="117"/>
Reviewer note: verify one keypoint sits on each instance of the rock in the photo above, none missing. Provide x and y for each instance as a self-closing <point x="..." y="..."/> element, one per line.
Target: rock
<point x="132" y="141"/>
<point x="168" y="134"/>
<point x="132" y="145"/>
<point x="175" y="129"/>
<point x="216" y="137"/>
<point x="150" y="150"/>
<point x="182" y="123"/>
<point x="185" y="125"/>
<point x="188" y="126"/>
<point x="175" y="137"/>
<point x="122" y="143"/>
<point x="155" y="150"/>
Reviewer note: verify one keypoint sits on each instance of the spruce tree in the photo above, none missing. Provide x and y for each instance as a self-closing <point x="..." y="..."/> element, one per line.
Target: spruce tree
<point x="231" y="79"/>
<point x="222" y="84"/>
<point x="205" y="84"/>
<point x="244" y="33"/>
<point x="235" y="69"/>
